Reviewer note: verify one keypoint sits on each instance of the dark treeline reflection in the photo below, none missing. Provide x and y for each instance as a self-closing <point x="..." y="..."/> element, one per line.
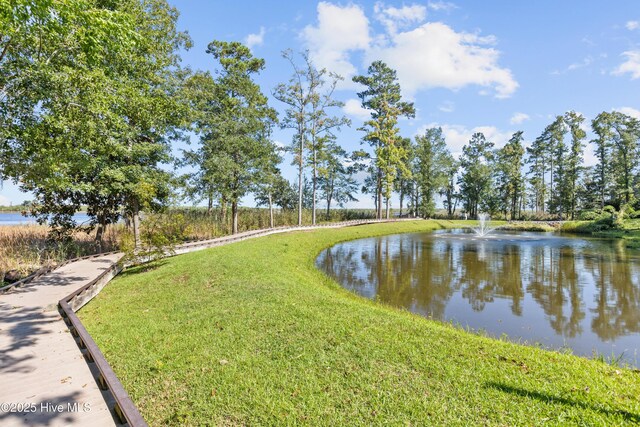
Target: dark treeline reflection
<point x="580" y="285"/>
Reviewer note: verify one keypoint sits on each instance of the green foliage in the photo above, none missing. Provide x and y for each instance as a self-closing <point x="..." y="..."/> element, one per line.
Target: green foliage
<point x="309" y="97"/>
<point x="160" y="234"/>
<point x="235" y="126"/>
<point x="95" y="106"/>
<point x="336" y="181"/>
<point x="477" y="178"/>
<point x="509" y="179"/>
<point x="589" y="216"/>
<point x="383" y="97"/>
<point x="432" y="158"/>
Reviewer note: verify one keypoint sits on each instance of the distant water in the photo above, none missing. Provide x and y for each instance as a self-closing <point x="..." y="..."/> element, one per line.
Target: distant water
<point x="13" y="218"/>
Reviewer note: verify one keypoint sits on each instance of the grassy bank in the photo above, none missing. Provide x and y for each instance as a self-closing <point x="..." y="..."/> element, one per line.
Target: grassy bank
<point x="253" y="334"/>
<point x="629" y="230"/>
<point x="538" y="226"/>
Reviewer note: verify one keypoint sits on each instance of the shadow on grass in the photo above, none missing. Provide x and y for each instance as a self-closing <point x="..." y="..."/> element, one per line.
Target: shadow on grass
<point x="142" y="268"/>
<point x="547" y="398"/>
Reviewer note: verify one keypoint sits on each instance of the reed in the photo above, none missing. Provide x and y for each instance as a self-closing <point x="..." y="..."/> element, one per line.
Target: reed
<point x="26" y="248"/>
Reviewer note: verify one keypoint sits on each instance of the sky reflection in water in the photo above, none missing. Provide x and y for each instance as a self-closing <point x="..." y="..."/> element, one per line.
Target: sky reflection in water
<point x="555" y="290"/>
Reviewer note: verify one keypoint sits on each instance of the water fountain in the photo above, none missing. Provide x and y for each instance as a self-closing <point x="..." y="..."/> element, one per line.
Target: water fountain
<point x="483" y="228"/>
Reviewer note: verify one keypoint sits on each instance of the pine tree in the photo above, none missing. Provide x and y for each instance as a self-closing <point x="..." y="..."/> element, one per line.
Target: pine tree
<point x="382" y="96"/>
<point x="509" y="180"/>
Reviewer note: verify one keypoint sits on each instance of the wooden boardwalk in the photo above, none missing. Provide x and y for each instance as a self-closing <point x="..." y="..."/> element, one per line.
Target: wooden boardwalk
<point x="44" y="378"/>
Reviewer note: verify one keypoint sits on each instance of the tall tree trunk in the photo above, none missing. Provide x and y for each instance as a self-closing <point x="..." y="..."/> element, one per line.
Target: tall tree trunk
<point x="135" y="220"/>
<point x="388" y="207"/>
<point x="379" y="194"/>
<point x="100" y="230"/>
<point x="300" y="173"/>
<point x="375" y="205"/>
<point x="300" y="189"/>
<point x="313" y="185"/>
<point x="401" y="200"/>
<point x="234" y="215"/>
<point x="209" y="204"/>
<point x="270" y="210"/>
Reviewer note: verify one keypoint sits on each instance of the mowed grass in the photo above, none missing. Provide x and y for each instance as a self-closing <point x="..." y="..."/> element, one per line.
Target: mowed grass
<point x="253" y="334"/>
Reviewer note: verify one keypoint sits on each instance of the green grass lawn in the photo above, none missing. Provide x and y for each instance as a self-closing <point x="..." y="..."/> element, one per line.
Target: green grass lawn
<point x="253" y="334"/>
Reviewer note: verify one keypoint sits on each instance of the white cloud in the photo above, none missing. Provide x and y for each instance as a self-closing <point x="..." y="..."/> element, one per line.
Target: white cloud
<point x="340" y="31"/>
<point x="632" y="25"/>
<point x="457" y="136"/>
<point x="629" y="111"/>
<point x="394" y="18"/>
<point x="4" y="201"/>
<point x="518" y="118"/>
<point x="588" y="60"/>
<point x="255" y="39"/>
<point x="354" y="108"/>
<point x="434" y="55"/>
<point x="447" y="107"/>
<point x="441" y="5"/>
<point x="427" y="56"/>
<point x="631" y="65"/>
<point x="584" y="63"/>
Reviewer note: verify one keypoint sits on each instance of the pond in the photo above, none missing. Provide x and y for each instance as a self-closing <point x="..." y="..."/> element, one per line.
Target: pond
<point x="552" y="290"/>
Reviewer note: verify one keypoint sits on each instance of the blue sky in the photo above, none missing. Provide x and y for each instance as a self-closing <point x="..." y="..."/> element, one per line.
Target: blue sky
<point x="491" y="66"/>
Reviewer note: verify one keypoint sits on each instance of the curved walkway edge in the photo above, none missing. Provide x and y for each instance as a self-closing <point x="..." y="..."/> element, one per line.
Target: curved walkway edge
<point x="45" y="378"/>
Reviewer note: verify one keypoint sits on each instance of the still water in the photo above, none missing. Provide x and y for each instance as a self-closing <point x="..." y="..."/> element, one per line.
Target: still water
<point x="15" y="218"/>
<point x="556" y="291"/>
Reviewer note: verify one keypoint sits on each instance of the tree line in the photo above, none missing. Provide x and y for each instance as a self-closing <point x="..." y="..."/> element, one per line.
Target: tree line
<point x="93" y="96"/>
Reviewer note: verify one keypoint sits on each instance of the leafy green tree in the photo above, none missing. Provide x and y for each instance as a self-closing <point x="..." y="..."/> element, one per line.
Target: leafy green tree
<point x="297" y="95"/>
<point x="451" y="167"/>
<point x="321" y="124"/>
<point x="382" y="96"/>
<point x="309" y="96"/>
<point x="601" y="126"/>
<point x="268" y="180"/>
<point x="556" y="154"/>
<point x="405" y="182"/>
<point x="625" y="155"/>
<point x="431" y="161"/>
<point x="46" y="48"/>
<point x="509" y="180"/>
<point x="336" y="182"/>
<point x="574" y="160"/>
<point x="199" y="90"/>
<point x="476" y="179"/>
<point x="537" y="160"/>
<point x="283" y="193"/>
<point x="101" y="109"/>
<point x="236" y="134"/>
<point x="588" y="190"/>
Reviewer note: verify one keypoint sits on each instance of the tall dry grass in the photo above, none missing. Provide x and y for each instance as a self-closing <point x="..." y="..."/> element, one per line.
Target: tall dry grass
<point x="203" y="225"/>
<point x="26" y="248"/>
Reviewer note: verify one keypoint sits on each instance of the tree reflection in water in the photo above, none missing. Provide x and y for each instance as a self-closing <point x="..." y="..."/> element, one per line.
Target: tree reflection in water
<point x="585" y="289"/>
